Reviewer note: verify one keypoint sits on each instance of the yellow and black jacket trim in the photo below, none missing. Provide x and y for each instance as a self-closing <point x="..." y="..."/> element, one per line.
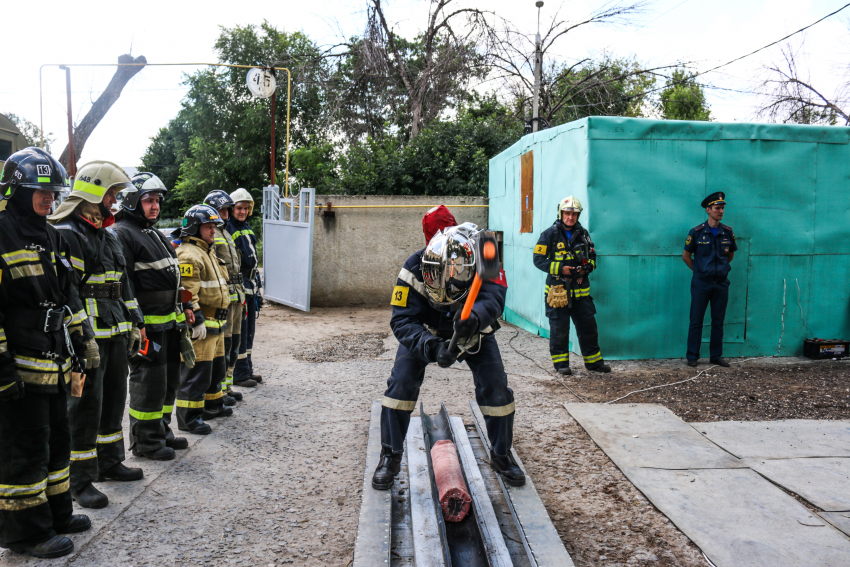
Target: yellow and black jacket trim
<point x="203" y="274"/>
<point x="103" y="262"/>
<point x="554" y="251"/>
<point x="227" y="252"/>
<point x="32" y="273"/>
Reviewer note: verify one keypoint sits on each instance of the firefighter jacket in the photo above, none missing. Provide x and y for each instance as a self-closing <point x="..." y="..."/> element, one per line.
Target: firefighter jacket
<point x="420" y="327"/>
<point x="554" y="251"/>
<point x="152" y="268"/>
<point x="203" y="274"/>
<point x="37" y="283"/>
<point x="246" y="242"/>
<point x="226" y="251"/>
<point x="104" y="286"/>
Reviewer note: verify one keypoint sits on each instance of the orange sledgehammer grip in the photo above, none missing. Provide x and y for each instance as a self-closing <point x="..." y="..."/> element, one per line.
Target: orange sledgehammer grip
<point x="488" y="252"/>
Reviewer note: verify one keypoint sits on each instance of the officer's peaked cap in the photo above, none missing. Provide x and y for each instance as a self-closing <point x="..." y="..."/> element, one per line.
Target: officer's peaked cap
<point x="718" y="198"/>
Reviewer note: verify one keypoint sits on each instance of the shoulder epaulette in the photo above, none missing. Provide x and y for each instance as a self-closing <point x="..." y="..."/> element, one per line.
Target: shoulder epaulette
<point x="698" y="227"/>
<point x="726" y="227"/>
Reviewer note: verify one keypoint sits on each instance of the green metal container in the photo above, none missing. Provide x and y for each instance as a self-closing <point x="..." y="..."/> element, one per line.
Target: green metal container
<point x="641" y="182"/>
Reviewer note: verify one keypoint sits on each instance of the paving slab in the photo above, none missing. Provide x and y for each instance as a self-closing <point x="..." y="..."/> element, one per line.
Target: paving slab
<point x="840" y="520"/>
<point x="823" y="482"/>
<point x="739" y="519"/>
<point x="649" y="435"/>
<point x="786" y="439"/>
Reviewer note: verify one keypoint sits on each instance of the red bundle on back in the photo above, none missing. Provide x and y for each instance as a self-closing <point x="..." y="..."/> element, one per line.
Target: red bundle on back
<point x="451" y="488"/>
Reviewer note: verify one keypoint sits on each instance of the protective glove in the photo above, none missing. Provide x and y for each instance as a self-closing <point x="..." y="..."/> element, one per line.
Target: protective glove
<point x="445" y="357"/>
<point x="134" y="342"/>
<point x="199" y="332"/>
<point x="13" y="388"/>
<point x="466" y="328"/>
<point x="187" y="351"/>
<point x="92" y="354"/>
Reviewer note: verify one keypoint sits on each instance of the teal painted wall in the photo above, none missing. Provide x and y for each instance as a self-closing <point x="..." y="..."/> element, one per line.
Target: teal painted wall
<point x="641" y="182"/>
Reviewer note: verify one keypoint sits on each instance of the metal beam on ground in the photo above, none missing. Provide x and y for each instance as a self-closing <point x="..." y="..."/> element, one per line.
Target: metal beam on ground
<point x="426" y="530"/>
<point x="372" y="546"/>
<point x="497" y="551"/>
<point x="539" y="536"/>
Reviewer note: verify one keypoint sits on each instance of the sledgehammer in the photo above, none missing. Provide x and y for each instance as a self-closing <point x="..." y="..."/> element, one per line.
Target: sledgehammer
<point x="486" y="268"/>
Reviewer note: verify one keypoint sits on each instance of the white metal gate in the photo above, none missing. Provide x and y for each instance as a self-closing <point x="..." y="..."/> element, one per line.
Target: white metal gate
<point x="288" y="246"/>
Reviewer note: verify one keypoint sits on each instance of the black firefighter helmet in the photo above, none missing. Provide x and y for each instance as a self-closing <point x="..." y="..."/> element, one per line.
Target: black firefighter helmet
<point x="33" y="168"/>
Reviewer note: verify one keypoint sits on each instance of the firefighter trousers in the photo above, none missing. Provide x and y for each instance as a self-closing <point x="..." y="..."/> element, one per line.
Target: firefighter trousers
<point x="492" y="393"/>
<point x="152" y="380"/>
<point x="583" y="314"/>
<point x="197" y="382"/>
<point x="97" y="440"/>
<point x="35" y="448"/>
<point x="232" y="340"/>
<point x="244" y="365"/>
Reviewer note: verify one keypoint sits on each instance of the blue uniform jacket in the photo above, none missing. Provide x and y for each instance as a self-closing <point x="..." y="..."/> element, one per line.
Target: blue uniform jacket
<point x="711" y="253"/>
<point x="246" y="241"/>
<point x="412" y="311"/>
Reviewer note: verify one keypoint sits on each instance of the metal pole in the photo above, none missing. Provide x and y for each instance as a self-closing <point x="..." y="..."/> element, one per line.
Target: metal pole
<point x="273" y="130"/>
<point x="72" y="158"/>
<point x="538" y="69"/>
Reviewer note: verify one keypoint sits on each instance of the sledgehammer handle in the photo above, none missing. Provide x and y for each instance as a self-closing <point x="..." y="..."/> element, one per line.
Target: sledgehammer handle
<point x="467" y="308"/>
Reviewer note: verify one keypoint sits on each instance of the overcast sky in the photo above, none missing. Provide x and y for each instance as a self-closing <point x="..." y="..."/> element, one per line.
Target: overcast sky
<point x="705" y="32"/>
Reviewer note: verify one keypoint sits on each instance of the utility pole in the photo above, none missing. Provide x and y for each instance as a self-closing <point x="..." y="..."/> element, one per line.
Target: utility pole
<point x="538" y="69"/>
<point x="72" y="158"/>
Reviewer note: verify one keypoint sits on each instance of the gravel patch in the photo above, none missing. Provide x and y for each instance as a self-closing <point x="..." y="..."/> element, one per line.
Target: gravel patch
<point x="345" y="347"/>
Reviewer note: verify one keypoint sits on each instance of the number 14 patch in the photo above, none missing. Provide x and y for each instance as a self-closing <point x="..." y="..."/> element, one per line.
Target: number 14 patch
<point x="400" y="296"/>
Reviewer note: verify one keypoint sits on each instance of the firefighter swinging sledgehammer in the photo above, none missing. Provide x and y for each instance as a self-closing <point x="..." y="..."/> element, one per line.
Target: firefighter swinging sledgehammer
<point x="426" y="304"/>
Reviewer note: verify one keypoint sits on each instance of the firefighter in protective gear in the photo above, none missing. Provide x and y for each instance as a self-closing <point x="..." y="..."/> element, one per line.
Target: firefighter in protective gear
<point x="226" y="251"/>
<point x="199" y="396"/>
<point x="246" y="242"/>
<point x="566" y="253"/>
<point x="43" y="331"/>
<point x="152" y="268"/>
<point x="426" y="303"/>
<point x="84" y="220"/>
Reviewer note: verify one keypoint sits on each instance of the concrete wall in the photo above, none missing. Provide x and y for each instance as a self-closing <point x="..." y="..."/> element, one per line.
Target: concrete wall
<point x="357" y="253"/>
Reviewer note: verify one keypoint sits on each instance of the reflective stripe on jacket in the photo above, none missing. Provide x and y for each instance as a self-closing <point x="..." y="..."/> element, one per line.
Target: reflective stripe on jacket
<point x="227" y="252"/>
<point x="553" y="251"/>
<point x="97" y="255"/>
<point x="152" y="267"/>
<point x="203" y="274"/>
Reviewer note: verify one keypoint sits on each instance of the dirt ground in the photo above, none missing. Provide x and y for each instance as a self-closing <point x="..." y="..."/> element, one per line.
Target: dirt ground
<point x="279" y="482"/>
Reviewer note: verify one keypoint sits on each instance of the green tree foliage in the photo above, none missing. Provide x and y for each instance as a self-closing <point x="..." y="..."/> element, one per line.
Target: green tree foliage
<point x="450" y="157"/>
<point x="607" y="87"/>
<point x="31" y="132"/>
<point x="220" y="138"/>
<point x="683" y="98"/>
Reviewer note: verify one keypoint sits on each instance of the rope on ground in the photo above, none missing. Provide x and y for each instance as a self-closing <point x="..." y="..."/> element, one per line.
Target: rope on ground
<point x="537" y="364"/>
<point x="682" y="381"/>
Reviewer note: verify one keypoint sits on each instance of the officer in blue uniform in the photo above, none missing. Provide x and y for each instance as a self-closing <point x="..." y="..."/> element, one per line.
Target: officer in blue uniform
<point x="425" y="316"/>
<point x="709" y="249"/>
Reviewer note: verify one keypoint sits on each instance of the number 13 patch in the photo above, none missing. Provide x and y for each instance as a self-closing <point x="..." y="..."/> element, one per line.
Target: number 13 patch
<point x="400" y="296"/>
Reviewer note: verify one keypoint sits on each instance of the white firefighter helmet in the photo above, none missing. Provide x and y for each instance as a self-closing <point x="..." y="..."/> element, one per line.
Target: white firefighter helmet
<point x="243" y="195"/>
<point x="95" y="178"/>
<point x="569" y="204"/>
<point x="448" y="265"/>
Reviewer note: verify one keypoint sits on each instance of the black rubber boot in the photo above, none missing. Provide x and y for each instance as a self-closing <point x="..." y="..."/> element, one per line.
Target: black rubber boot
<point x="57" y="546"/>
<point x="507" y="467"/>
<point x="177" y="443"/>
<point x="235" y="395"/>
<point x="197" y="426"/>
<point x="600" y="367"/>
<point x="223" y="411"/>
<point x="78" y="523"/>
<point x="720" y="362"/>
<point x="161" y="454"/>
<point x="388" y="468"/>
<point x="245" y="383"/>
<point x="692" y="362"/>
<point x="90" y="497"/>
<point x="121" y="472"/>
<point x="565" y="371"/>
<point x="228" y="400"/>
<point x="257" y="378"/>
